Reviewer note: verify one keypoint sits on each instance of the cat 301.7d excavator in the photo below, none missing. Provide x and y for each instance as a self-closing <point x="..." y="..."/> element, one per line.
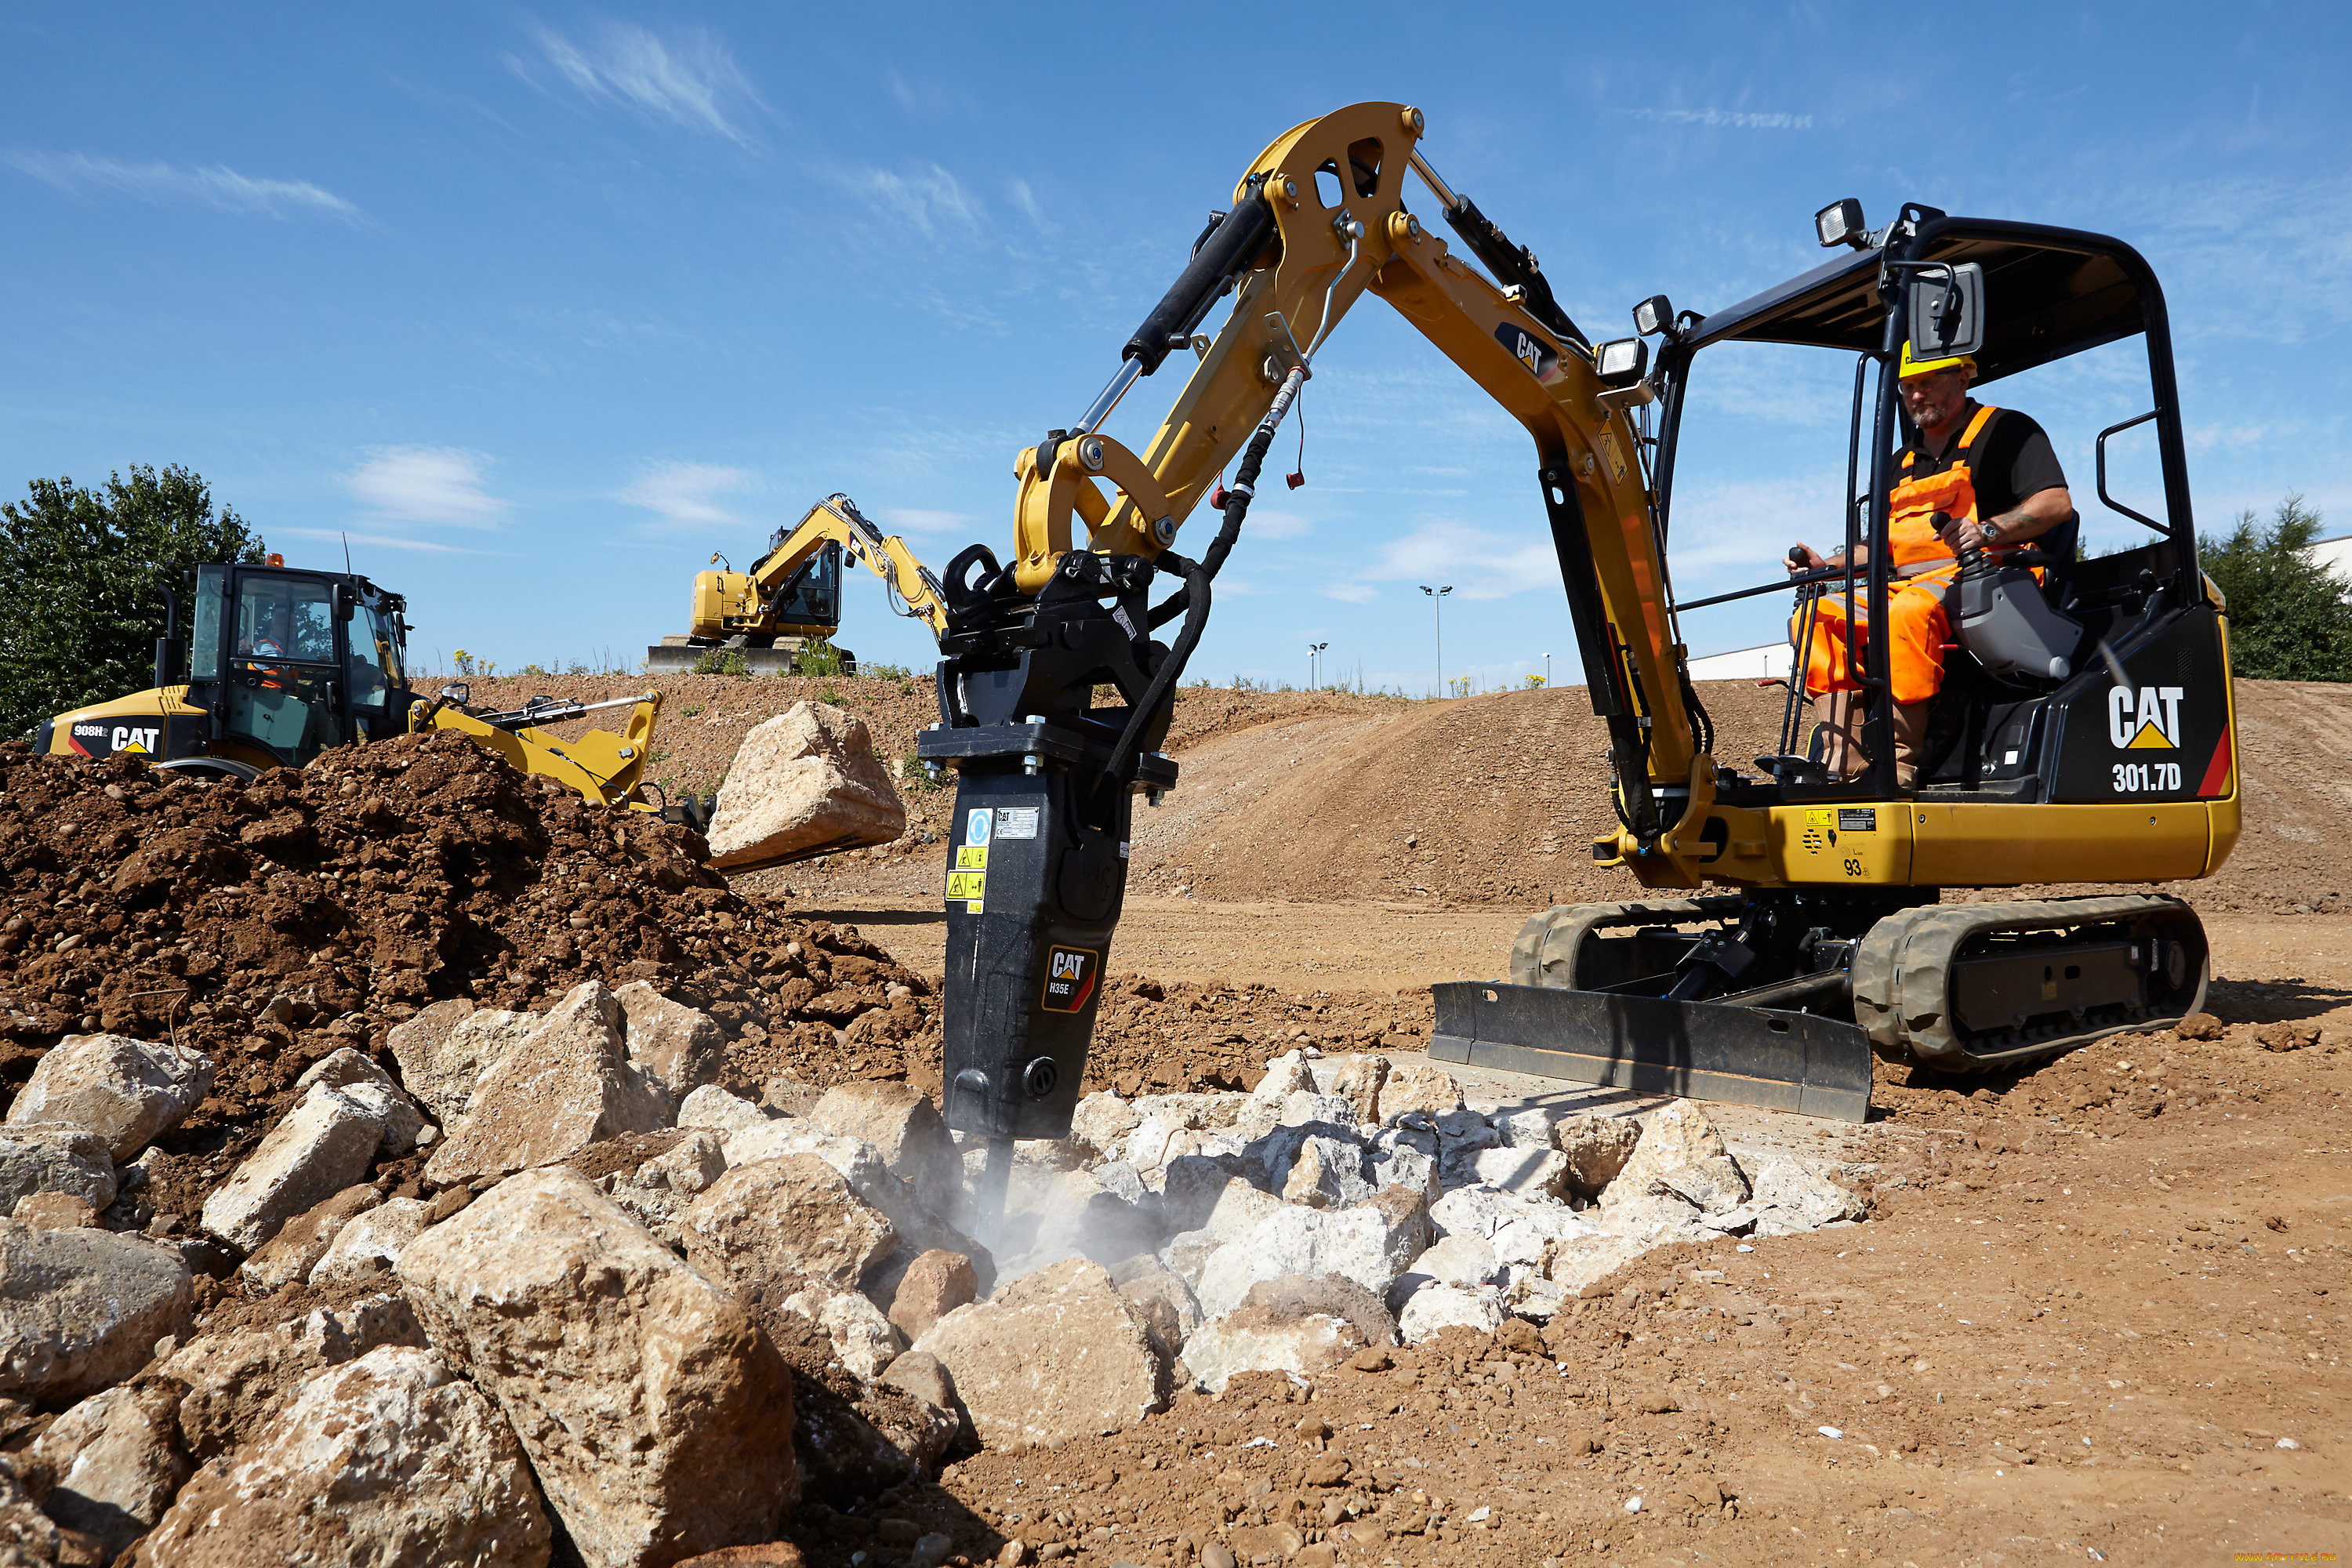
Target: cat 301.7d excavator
<point x="2084" y="733"/>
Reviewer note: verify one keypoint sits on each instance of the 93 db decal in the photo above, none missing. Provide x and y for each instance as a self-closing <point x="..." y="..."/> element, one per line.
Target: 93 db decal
<point x="1070" y="975"/>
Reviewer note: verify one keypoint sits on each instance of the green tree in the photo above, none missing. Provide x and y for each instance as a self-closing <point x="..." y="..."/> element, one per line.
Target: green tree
<point x="2288" y="619"/>
<point x="82" y="576"/>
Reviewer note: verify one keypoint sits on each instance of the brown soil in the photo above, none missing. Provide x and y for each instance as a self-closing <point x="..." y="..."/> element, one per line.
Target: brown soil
<point x="270" y="924"/>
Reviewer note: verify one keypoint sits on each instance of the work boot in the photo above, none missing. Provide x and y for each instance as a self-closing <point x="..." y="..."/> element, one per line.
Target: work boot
<point x="1910" y="741"/>
<point x="1840" y="716"/>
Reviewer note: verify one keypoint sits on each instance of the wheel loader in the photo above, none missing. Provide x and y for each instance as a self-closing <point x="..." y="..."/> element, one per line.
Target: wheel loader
<point x="282" y="662"/>
<point x="1789" y="923"/>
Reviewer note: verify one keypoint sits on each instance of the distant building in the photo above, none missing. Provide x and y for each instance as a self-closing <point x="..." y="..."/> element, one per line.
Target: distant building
<point x="1767" y="663"/>
<point x="2334" y="554"/>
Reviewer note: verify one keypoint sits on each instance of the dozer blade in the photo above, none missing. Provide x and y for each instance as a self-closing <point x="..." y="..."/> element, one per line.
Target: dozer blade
<point x="1746" y="1056"/>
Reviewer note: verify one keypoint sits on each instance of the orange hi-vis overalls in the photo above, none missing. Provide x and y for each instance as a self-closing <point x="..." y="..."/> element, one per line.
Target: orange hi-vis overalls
<point x="1927" y="566"/>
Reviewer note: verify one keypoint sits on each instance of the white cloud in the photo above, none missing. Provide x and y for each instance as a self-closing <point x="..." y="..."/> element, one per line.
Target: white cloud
<point x="1272" y="522"/>
<point x="1350" y="592"/>
<point x="927" y="199"/>
<point x="1725" y="120"/>
<point x="684" y="495"/>
<point x="380" y="540"/>
<point x="921" y="520"/>
<point x="168" y="184"/>
<point x="690" y="81"/>
<point x="1479" y="564"/>
<point x="1026" y="200"/>
<point x="426" y="484"/>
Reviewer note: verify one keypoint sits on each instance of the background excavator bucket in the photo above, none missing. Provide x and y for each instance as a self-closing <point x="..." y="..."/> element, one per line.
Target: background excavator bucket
<point x="1703" y="1050"/>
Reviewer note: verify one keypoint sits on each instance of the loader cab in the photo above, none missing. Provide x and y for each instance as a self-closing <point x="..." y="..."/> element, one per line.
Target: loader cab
<point x="2104" y="678"/>
<point x="285" y="663"/>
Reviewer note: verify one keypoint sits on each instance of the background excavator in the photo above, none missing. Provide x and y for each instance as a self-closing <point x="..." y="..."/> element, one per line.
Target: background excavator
<point x="791" y="595"/>
<point x="2085" y="733"/>
<point x="284" y="662"/>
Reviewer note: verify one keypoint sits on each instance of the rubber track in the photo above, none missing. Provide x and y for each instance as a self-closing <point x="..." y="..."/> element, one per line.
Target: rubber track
<point x="1544" y="953"/>
<point x="1902" y="974"/>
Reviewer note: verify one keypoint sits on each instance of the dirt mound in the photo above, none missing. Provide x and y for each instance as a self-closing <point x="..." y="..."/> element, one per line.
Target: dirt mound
<point x="271" y="924"/>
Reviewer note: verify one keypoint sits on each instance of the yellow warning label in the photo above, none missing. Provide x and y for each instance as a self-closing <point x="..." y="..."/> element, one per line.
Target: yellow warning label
<point x="1616" y="459"/>
<point x="971" y="857"/>
<point x="966" y="884"/>
<point x="1816" y="817"/>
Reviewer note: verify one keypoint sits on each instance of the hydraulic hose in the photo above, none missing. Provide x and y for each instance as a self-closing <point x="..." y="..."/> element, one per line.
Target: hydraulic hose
<point x="1238" y="496"/>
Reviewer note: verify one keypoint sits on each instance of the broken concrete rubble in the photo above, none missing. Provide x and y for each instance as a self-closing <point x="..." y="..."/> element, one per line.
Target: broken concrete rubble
<point x="127" y="1091"/>
<point x="82" y="1309"/>
<point x="54" y="1157"/>
<point x="802" y="783"/>
<point x="677" y="1047"/>
<point x="565" y="1086"/>
<point x="774" y="1222"/>
<point x="1055" y="1355"/>
<point x="325" y="1146"/>
<point x="645" y="1458"/>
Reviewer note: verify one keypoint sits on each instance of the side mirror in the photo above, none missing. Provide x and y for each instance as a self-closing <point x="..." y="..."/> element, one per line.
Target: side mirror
<point x="1621" y="362"/>
<point x="347" y="599"/>
<point x="1653" y="315"/>
<point x="1948" y="312"/>
<point x="1840" y="223"/>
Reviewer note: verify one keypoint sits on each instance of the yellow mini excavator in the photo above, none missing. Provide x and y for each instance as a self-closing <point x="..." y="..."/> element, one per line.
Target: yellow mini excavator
<point x="284" y="662"/>
<point x="792" y="595"/>
<point x="2084" y="732"/>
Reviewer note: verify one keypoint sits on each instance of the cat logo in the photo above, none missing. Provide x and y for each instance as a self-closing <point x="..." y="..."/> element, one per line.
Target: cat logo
<point x="1530" y="349"/>
<point x="2145" y="720"/>
<point x="96" y="738"/>
<point x="1069" y="978"/>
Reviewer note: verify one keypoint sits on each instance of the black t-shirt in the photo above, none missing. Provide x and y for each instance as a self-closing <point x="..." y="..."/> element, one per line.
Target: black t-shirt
<point x="2011" y="460"/>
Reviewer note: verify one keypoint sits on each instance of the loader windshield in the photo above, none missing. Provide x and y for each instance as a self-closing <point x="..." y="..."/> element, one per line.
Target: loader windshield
<point x="282" y="669"/>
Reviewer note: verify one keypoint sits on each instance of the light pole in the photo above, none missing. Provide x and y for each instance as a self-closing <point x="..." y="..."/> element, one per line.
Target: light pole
<point x="1437" y="603"/>
<point x="1313" y="649"/>
<point x="1546" y="672"/>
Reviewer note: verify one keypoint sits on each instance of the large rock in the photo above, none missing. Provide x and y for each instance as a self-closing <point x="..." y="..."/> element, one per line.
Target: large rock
<point x="1418" y="1086"/>
<point x="390" y="1459"/>
<point x="369" y="1247"/>
<point x="934" y="1285"/>
<point x="81" y="1309"/>
<point x="237" y="1382"/>
<point x="1319" y="1164"/>
<point x="1055" y="1355"/>
<point x="861" y="1165"/>
<point x="1680" y="1157"/>
<point x="358" y="1075"/>
<point x="1789" y="1197"/>
<point x="863" y="1340"/>
<point x="659" y="1190"/>
<point x="118" y="1460"/>
<point x="568" y="1085"/>
<point x="676" y="1046"/>
<point x="714" y="1109"/>
<point x="1519" y="1229"/>
<point x="1435" y="1308"/>
<point x="1597" y="1148"/>
<point x="1371" y="1244"/>
<point x="1295" y="1324"/>
<point x="28" y="1538"/>
<point x="300" y="1242"/>
<point x="323" y="1145"/>
<point x="445" y="1051"/>
<point x="905" y="1127"/>
<point x="774" y="1222"/>
<point x="802" y="784"/>
<point x="127" y="1091"/>
<point x="655" y="1415"/>
<point x="54" y="1157"/>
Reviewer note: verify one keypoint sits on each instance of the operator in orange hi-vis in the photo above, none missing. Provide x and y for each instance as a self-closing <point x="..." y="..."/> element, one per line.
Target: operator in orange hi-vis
<point x="1974" y="477"/>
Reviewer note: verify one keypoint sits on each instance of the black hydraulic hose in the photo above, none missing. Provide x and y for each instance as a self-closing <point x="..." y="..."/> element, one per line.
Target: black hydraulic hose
<point x="1224" y="255"/>
<point x="1171" y="669"/>
<point x="1238" y="497"/>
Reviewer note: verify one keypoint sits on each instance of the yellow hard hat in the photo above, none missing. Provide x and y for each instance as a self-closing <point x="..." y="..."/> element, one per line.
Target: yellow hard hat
<point x="1912" y="367"/>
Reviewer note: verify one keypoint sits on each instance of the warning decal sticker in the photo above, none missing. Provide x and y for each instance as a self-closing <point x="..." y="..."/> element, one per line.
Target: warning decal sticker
<point x="971" y="857"/>
<point x="1070" y="974"/>
<point x="967" y="885"/>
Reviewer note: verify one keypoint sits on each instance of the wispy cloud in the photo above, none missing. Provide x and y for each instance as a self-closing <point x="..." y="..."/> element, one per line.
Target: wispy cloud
<point x="1272" y="523"/>
<point x="1026" y="200"/>
<point x="922" y="520"/>
<point x="687" y="495"/>
<point x="1725" y="119"/>
<point x="1479" y="564"/>
<point x="170" y="184"/>
<point x="925" y="198"/>
<point x="690" y="80"/>
<point x="426" y="484"/>
<point x="379" y="541"/>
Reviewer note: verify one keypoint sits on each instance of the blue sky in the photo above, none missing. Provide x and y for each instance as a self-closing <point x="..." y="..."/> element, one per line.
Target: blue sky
<point x="542" y="305"/>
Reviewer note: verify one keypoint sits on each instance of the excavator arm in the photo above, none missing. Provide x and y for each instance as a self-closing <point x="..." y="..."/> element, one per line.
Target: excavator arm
<point x="733" y="604"/>
<point x="1045" y="776"/>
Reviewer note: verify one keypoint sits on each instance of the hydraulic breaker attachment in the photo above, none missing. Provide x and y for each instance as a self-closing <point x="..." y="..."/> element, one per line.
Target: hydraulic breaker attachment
<point x="1037" y="871"/>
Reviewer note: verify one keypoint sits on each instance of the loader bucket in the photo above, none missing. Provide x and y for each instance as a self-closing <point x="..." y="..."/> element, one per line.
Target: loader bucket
<point x="1746" y="1056"/>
